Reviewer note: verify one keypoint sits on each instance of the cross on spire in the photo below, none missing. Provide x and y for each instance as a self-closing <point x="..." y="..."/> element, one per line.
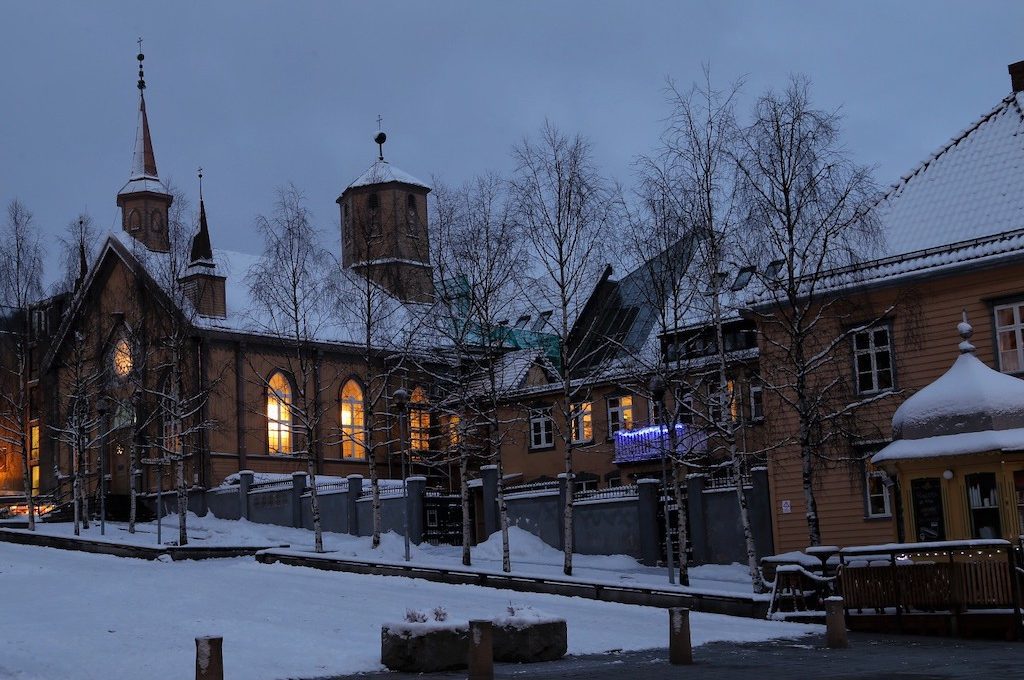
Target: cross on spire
<point x="379" y="120"/>
<point x="142" y="76"/>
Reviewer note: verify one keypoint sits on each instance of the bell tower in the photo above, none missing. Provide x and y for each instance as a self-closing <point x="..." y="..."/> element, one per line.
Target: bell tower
<point x="384" y="233"/>
<point x="144" y="199"/>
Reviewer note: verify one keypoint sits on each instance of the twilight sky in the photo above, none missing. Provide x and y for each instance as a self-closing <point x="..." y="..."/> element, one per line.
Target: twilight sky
<point x="263" y="93"/>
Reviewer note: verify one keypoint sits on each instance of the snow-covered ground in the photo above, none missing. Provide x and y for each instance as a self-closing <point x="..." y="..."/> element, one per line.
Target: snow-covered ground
<point x="530" y="555"/>
<point x="75" y="615"/>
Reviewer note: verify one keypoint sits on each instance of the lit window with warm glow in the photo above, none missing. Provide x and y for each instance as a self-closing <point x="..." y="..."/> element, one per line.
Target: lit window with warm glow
<point x="582" y="422"/>
<point x="122" y="358"/>
<point x="279" y="415"/>
<point x="353" y="422"/>
<point x="454" y="421"/>
<point x="620" y="414"/>
<point x="419" y="421"/>
<point x="34" y="441"/>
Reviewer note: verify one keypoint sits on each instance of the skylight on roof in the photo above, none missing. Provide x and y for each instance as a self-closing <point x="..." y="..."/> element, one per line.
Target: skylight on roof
<point x="743" y="278"/>
<point x="774" y="269"/>
<point x="522" y="321"/>
<point x="542" y="319"/>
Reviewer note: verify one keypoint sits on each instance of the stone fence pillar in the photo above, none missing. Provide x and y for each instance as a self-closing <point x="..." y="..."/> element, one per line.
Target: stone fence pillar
<point x="489" y="475"/>
<point x="355" y="488"/>
<point x="245" y="478"/>
<point x="696" y="503"/>
<point x="647" y="507"/>
<point x="416" y="488"/>
<point x="298" y="488"/>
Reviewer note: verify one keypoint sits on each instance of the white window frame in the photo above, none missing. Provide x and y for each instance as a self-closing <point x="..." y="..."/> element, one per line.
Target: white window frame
<point x="686" y="413"/>
<point x="542" y="428"/>
<point x="582" y="416"/>
<point x="617" y="419"/>
<point x="1017" y="328"/>
<point x="756" y="398"/>
<point x="873" y="351"/>
<point x="870" y="474"/>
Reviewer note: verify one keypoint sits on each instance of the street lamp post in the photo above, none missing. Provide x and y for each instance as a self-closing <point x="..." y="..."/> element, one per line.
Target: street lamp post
<point x="657" y="389"/>
<point x="401" y="397"/>
<point x="102" y="408"/>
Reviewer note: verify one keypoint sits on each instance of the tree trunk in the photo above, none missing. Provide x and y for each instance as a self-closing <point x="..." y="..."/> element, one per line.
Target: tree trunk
<point x="567" y="543"/>
<point x="179" y="474"/>
<point x="133" y="463"/>
<point x="371" y="460"/>
<point x="76" y="489"/>
<point x="756" y="580"/>
<point x="314" y="505"/>
<point x="83" y="458"/>
<point x="467" y="528"/>
<point x="681" y="504"/>
<point x="807" y="461"/>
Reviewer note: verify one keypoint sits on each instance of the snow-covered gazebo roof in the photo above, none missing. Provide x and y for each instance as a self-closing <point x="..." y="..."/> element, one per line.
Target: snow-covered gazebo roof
<point x="971" y="408"/>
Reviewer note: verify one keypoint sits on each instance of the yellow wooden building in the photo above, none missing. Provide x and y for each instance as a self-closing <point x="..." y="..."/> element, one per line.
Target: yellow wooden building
<point x="957" y="454"/>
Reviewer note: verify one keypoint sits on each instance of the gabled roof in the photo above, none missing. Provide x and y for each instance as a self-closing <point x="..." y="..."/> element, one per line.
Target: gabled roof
<point x="970" y="188"/>
<point x="382" y="172"/>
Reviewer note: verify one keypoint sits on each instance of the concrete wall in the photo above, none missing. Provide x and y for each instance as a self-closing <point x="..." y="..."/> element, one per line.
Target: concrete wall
<point x="333" y="511"/>
<point x="608" y="528"/>
<point x="224" y="504"/>
<point x="716" y="532"/>
<point x="271" y="507"/>
<point x="539" y="513"/>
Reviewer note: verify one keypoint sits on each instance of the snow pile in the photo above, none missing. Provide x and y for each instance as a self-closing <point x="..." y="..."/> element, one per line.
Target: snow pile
<point x="524" y="547"/>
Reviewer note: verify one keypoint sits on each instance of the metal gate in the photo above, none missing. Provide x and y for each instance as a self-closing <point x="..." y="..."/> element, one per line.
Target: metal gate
<point x="673" y="518"/>
<point x="442" y="518"/>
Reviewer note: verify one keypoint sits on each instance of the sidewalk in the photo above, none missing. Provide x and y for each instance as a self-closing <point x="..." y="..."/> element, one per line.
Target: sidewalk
<point x="869" y="657"/>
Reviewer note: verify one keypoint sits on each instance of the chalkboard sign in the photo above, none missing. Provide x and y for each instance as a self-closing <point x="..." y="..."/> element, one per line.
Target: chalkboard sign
<point x="926" y="496"/>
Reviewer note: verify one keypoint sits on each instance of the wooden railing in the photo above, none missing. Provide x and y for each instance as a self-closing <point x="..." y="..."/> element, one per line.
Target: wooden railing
<point x="930" y="577"/>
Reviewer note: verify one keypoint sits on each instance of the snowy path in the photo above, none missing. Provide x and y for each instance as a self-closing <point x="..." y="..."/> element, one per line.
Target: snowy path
<point x="75" y="615"/>
<point x="530" y="556"/>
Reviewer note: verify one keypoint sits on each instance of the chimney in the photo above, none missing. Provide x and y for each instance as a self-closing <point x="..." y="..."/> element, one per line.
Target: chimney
<point x="1016" y="76"/>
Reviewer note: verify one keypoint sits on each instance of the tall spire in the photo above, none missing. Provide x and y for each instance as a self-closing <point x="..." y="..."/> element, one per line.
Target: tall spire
<point x="202" y="251"/>
<point x="144" y="161"/>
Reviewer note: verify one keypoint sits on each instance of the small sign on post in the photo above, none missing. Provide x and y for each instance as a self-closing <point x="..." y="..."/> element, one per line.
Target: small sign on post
<point x="680" y="651"/>
<point x="209" y="658"/>
<point x="481" y="651"/>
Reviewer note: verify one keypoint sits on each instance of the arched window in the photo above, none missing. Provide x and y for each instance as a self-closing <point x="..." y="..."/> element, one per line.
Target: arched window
<point x="412" y="219"/>
<point x="353" y="422"/>
<point x="419" y="421"/>
<point x="279" y="415"/>
<point x="121" y="358"/>
<point x="170" y="407"/>
<point x="134" y="220"/>
<point x="156" y="221"/>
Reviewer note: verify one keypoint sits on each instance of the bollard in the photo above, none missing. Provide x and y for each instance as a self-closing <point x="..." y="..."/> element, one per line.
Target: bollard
<point x="481" y="651"/>
<point x="680" y="653"/>
<point x="209" y="658"/>
<point x="835" y="624"/>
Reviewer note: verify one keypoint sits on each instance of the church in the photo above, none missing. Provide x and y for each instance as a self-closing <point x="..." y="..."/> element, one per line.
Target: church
<point x="159" y="324"/>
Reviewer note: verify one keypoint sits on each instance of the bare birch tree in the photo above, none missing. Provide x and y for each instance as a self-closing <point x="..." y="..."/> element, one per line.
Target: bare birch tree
<point x="565" y="210"/>
<point x="21" y="268"/>
<point x="291" y="287"/>
<point x="807" y="211"/>
<point x="477" y="255"/>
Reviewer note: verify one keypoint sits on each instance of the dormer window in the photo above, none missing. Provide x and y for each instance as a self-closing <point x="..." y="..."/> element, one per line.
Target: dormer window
<point x="743" y="278"/>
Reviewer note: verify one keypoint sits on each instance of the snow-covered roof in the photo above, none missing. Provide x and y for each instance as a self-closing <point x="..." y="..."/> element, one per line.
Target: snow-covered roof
<point x="382" y="172"/>
<point x="971" y="408"/>
<point x="969" y="188"/>
<point x="396" y="321"/>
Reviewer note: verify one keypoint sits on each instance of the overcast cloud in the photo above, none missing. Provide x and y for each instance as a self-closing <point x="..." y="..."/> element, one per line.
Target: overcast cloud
<point x="263" y="93"/>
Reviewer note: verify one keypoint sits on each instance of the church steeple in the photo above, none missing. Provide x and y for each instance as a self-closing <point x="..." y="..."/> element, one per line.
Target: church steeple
<point x="384" y="229"/>
<point x="203" y="285"/>
<point x="144" y="200"/>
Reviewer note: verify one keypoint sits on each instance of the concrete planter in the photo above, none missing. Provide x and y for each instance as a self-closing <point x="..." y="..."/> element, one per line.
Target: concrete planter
<point x="433" y="647"/>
